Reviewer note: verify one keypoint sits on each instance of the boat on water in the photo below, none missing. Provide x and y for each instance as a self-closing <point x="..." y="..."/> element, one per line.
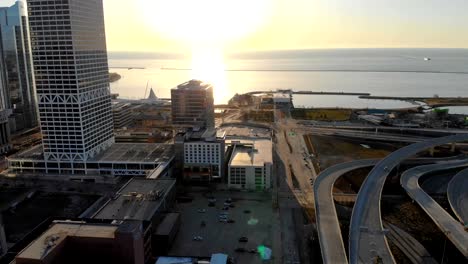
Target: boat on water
<point x="427" y="59"/>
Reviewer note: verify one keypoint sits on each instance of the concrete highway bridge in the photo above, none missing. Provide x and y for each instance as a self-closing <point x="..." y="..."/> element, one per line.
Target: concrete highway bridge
<point x="367" y="238"/>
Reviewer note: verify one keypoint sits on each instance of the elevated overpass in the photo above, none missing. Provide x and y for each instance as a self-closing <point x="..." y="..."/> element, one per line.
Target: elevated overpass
<point x="367" y="240"/>
<point x="449" y="226"/>
<point x="328" y="226"/>
<point x="457" y="193"/>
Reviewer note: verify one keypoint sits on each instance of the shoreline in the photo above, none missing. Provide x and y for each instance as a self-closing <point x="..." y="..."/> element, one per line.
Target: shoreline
<point x="113" y="77"/>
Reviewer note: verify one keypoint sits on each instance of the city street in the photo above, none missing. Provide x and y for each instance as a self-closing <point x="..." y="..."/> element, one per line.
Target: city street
<point x="294" y="191"/>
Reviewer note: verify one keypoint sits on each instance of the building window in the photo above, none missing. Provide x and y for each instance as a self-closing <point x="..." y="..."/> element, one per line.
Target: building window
<point x="238" y="176"/>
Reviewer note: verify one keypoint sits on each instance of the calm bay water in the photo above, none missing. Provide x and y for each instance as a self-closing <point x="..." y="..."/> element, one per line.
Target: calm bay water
<point x="382" y="72"/>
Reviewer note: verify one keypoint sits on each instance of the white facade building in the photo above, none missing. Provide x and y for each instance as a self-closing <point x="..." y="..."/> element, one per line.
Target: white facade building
<point x="208" y="156"/>
<point x="200" y="155"/>
<point x="69" y="50"/>
<point x="250" y="165"/>
<point x="72" y="78"/>
<point x="202" y="152"/>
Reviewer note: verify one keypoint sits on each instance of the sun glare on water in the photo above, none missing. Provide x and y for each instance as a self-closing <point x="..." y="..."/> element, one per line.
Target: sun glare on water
<point x="205" y="27"/>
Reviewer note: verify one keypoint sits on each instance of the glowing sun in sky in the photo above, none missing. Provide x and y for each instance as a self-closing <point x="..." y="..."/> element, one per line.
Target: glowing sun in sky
<point x="205" y="27"/>
<point x="205" y="21"/>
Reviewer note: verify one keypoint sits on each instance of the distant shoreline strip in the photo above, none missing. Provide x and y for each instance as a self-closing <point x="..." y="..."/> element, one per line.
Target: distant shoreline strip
<point x="317" y="70"/>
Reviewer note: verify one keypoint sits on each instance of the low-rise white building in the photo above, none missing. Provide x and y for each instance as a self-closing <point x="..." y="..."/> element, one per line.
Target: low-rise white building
<point x="201" y="154"/>
<point x="250" y="165"/>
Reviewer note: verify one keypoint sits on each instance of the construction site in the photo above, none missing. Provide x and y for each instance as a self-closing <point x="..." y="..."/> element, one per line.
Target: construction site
<point x="341" y="150"/>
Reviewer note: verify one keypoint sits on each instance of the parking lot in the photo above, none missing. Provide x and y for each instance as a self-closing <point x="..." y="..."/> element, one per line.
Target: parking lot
<point x="252" y="216"/>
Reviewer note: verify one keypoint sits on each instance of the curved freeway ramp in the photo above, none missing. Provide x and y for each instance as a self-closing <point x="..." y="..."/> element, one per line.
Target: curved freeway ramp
<point x="457" y="193"/>
<point x="328" y="226"/>
<point x="367" y="241"/>
<point x="451" y="227"/>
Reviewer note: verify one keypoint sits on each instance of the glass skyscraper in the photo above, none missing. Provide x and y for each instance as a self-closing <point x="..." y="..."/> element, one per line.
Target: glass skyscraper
<point x="4" y="111"/>
<point x="72" y="77"/>
<point x="20" y="92"/>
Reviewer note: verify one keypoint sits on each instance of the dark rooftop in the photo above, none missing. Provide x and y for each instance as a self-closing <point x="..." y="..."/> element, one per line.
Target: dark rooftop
<point x="118" y="152"/>
<point x="194" y="84"/>
<point x="137" y="200"/>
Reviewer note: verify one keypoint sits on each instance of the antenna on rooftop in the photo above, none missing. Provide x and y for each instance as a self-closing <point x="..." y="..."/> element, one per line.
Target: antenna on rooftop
<point x="146" y="90"/>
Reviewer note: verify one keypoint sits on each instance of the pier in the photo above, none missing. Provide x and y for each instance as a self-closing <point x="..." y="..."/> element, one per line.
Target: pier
<point x="128" y="68"/>
<point x="430" y="101"/>
<point x="310" y="93"/>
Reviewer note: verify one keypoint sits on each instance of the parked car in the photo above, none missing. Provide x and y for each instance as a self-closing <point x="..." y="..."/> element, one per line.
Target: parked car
<point x="201" y="210"/>
<point x="243" y="239"/>
<point x="231" y="221"/>
<point x="253" y="251"/>
<point x="240" y="250"/>
<point x="197" y="238"/>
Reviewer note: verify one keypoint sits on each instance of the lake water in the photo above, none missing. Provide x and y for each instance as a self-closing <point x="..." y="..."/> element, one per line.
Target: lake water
<point x="381" y="72"/>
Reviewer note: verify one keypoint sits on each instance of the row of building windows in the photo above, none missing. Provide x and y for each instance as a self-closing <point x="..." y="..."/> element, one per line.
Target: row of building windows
<point x="237" y="176"/>
<point x="202" y="153"/>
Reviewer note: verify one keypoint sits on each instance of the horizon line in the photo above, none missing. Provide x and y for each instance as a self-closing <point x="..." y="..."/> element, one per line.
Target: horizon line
<point x="299" y="49"/>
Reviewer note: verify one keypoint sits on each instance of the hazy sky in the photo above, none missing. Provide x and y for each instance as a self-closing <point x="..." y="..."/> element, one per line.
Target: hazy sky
<point x="132" y="25"/>
<point x="298" y="24"/>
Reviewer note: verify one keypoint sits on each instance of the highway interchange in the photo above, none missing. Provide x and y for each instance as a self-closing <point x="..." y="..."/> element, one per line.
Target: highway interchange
<point x="458" y="195"/>
<point x="368" y="243"/>
<point x="367" y="240"/>
<point x="451" y="227"/>
<point x="328" y="226"/>
<point x="367" y="235"/>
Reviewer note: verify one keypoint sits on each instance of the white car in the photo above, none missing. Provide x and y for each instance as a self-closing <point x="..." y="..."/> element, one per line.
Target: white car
<point x="198" y="238"/>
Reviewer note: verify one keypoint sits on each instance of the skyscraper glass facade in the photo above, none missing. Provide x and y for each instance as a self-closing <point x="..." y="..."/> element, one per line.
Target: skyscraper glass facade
<point x="4" y="111"/>
<point x="20" y="92"/>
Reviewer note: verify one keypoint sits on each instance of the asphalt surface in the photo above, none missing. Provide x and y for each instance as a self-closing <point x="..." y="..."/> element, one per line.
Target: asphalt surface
<point x="328" y="226"/>
<point x="293" y="190"/>
<point x="354" y="134"/>
<point x="367" y="241"/>
<point x="457" y="193"/>
<point x="451" y="227"/>
<point x="401" y="130"/>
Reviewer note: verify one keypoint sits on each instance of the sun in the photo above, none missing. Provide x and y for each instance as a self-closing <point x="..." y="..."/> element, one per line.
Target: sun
<point x="205" y="27"/>
<point x="205" y="21"/>
<point x="208" y="66"/>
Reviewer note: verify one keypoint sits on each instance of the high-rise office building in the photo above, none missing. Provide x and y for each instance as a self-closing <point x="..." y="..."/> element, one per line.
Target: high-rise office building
<point x="4" y="111"/>
<point x="72" y="78"/>
<point x="72" y="82"/>
<point x="193" y="105"/>
<point x="20" y="92"/>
